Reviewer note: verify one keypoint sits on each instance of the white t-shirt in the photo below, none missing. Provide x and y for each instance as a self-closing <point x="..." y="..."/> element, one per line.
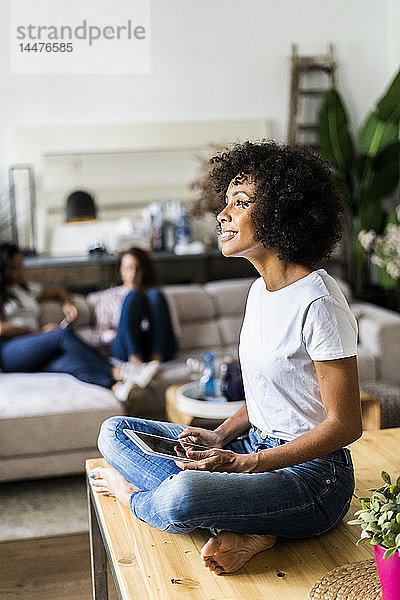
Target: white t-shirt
<point x="283" y="332"/>
<point x="23" y="310"/>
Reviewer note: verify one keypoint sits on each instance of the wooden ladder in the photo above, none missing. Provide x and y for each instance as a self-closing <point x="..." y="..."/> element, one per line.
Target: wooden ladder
<point x="311" y="77"/>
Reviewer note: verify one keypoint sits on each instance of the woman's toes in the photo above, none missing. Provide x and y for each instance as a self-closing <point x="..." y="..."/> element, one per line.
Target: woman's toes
<point x="96" y="473"/>
<point x="210" y="547"/>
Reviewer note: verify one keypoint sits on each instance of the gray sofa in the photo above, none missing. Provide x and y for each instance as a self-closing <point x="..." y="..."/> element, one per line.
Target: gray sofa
<point x="49" y="423"/>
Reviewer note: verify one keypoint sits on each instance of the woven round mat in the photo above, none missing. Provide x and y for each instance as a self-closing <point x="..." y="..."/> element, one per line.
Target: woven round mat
<point x="356" y="581"/>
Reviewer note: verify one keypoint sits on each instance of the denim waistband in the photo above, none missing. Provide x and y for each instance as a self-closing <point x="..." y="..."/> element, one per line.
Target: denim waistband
<point x="264" y="435"/>
<point x="261" y="437"/>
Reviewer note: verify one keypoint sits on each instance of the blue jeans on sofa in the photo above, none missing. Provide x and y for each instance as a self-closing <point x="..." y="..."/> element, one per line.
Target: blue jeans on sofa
<point x="58" y="351"/>
<point x="144" y="327"/>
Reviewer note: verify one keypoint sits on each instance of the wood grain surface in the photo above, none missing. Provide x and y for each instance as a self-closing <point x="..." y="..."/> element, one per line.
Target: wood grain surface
<point x="154" y="565"/>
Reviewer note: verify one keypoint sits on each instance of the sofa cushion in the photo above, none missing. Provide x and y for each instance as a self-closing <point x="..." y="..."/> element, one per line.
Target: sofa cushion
<point x="199" y="334"/>
<point x="229" y="329"/>
<point x="51" y="312"/>
<point x="367" y="368"/>
<point x="192" y="302"/>
<point x="48" y="412"/>
<point x="229" y="296"/>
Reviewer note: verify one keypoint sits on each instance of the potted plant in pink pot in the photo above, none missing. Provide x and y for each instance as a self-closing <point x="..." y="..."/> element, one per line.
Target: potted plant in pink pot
<point x="379" y="519"/>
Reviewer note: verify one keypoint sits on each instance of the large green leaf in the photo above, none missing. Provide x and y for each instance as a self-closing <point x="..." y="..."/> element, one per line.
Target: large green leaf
<point x="333" y="134"/>
<point x="388" y="107"/>
<point x="379" y="175"/>
<point x="375" y="135"/>
<point x="370" y="213"/>
<point x="334" y="138"/>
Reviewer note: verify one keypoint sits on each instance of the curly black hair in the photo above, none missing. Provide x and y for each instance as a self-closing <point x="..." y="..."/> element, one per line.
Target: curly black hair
<point x="299" y="209"/>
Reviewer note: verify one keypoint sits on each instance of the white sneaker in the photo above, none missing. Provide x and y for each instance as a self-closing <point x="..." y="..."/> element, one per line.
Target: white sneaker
<point x="135" y="375"/>
<point x="147" y="372"/>
<point x="121" y="389"/>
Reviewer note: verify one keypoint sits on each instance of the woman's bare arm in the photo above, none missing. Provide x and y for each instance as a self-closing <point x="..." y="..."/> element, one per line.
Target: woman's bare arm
<point x="340" y="393"/>
<point x="236" y="425"/>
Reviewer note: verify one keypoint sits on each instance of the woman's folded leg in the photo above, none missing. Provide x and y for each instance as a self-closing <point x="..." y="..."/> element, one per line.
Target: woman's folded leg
<point x="275" y="503"/>
<point x="142" y="470"/>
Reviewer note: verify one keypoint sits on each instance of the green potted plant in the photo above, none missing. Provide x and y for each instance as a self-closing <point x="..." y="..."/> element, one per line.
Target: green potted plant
<point x="368" y="170"/>
<point x="379" y="519"/>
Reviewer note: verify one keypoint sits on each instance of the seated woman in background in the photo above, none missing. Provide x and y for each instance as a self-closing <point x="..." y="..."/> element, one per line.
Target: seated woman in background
<point x="135" y="315"/>
<point x="25" y="347"/>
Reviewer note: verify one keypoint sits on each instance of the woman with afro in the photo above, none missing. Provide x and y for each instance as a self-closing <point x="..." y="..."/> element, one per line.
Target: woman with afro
<point x="280" y="467"/>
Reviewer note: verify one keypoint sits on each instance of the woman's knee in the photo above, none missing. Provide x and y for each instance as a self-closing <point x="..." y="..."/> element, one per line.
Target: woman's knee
<point x="132" y="308"/>
<point x="154" y="293"/>
<point x="108" y="433"/>
<point x="133" y="299"/>
<point x="111" y="431"/>
<point x="179" y="496"/>
<point x="156" y="299"/>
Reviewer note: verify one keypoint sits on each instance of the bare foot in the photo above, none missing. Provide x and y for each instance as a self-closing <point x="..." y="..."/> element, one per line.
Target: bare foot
<point x="228" y="552"/>
<point x="108" y="482"/>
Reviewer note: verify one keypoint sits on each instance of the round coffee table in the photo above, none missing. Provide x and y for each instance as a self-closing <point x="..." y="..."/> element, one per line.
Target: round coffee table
<point x="183" y="406"/>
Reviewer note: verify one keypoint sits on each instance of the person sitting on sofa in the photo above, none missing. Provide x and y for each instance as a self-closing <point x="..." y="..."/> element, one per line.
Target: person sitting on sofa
<point x="26" y="347"/>
<point x="135" y="315"/>
<point x="292" y="476"/>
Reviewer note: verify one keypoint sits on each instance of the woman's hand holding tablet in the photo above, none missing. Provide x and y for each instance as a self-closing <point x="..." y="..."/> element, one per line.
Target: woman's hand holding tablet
<point x="164" y="447"/>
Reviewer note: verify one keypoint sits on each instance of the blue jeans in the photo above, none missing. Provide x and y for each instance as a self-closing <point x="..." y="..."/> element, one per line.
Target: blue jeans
<point x="58" y="351"/>
<point x="294" y="502"/>
<point x="144" y="327"/>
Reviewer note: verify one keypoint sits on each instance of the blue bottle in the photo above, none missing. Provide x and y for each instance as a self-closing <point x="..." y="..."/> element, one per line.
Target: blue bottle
<point x="207" y="381"/>
<point x="182" y="228"/>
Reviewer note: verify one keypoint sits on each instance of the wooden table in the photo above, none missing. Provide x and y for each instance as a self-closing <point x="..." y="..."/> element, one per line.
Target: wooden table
<point x="148" y="564"/>
<point x="370" y="409"/>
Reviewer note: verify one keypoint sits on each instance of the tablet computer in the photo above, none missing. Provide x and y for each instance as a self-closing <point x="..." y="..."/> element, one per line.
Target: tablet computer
<point x="158" y="445"/>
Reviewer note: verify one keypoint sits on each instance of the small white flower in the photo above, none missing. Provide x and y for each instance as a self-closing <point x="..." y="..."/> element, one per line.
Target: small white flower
<point x="385" y="248"/>
<point x="376" y="260"/>
<point x="367" y="239"/>
<point x="393" y="270"/>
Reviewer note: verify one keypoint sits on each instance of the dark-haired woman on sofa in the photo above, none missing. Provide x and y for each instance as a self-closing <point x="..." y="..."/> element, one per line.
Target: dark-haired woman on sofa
<point x="27" y="347"/>
<point x="292" y="476"/>
<point x="135" y="316"/>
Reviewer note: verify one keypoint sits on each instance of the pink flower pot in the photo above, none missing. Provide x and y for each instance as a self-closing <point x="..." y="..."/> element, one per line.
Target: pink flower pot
<point x="389" y="573"/>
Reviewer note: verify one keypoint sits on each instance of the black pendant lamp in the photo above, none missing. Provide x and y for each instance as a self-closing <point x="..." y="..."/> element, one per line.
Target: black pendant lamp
<point x="81" y="206"/>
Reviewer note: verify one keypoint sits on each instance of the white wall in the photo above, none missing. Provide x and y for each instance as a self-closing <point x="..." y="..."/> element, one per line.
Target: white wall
<point x="214" y="59"/>
<point x="393" y="36"/>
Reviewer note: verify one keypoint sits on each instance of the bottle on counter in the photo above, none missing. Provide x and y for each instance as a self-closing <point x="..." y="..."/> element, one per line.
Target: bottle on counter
<point x="182" y="228"/>
<point x="156" y="227"/>
<point x="231" y="381"/>
<point x="207" y="380"/>
<point x="168" y="226"/>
